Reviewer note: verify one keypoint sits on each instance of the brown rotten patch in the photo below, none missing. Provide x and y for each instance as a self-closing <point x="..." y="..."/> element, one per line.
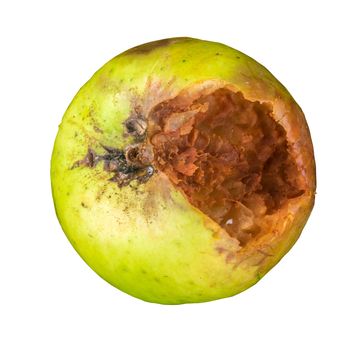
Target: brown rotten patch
<point x="229" y="156"/>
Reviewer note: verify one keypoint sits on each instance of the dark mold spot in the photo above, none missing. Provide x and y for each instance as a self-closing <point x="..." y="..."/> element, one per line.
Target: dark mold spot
<point x="90" y="160"/>
<point x="132" y="163"/>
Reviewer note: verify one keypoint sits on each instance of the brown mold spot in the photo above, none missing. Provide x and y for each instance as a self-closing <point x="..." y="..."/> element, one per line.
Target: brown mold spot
<point x="126" y="165"/>
<point x="90" y="160"/>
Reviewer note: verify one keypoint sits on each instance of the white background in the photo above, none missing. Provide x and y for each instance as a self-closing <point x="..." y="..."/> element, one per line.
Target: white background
<point x="50" y="299"/>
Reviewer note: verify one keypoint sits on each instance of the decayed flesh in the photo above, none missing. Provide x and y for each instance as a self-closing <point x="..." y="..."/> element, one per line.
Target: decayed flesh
<point x="229" y="156"/>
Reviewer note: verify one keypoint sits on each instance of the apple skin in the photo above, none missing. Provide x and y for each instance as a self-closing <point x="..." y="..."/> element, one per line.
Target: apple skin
<point x="148" y="240"/>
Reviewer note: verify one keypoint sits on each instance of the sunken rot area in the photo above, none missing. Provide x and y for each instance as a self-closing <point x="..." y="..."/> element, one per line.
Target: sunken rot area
<point x="183" y="171"/>
<point x="229" y="157"/>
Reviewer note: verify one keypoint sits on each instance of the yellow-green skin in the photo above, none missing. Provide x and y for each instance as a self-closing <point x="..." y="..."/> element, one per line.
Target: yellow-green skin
<point x="147" y="240"/>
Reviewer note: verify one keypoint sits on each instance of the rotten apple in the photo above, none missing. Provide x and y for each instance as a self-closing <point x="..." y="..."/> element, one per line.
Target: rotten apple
<point x="183" y="171"/>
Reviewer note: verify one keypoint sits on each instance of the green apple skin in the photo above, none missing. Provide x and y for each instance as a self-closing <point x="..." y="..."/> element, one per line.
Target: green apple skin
<point x="147" y="239"/>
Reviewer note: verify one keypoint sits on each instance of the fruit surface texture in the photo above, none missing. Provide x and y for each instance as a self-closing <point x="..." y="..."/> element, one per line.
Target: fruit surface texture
<point x="183" y="171"/>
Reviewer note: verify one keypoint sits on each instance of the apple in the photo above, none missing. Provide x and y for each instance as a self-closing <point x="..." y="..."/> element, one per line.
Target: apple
<point x="183" y="171"/>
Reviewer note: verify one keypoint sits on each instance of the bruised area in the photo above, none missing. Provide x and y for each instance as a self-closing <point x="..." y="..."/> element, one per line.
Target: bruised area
<point x="229" y="156"/>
